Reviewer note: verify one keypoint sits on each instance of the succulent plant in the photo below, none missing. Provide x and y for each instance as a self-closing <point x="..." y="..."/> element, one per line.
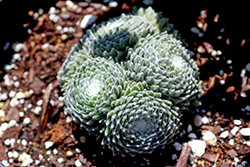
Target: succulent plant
<point x="165" y="65"/>
<point x="140" y="122"/>
<point x="126" y="81"/>
<point x="91" y="89"/>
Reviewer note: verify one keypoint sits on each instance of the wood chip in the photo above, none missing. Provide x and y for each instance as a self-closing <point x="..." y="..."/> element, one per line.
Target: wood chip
<point x="3" y="155"/>
<point x="12" y="133"/>
<point x="209" y="156"/>
<point x="184" y="156"/>
<point x="44" y="114"/>
<point x="12" y="114"/>
<point x="232" y="153"/>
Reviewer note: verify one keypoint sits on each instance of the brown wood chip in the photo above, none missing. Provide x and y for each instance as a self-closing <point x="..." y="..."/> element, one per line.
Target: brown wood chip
<point x="12" y="133"/>
<point x="209" y="156"/>
<point x="232" y="153"/>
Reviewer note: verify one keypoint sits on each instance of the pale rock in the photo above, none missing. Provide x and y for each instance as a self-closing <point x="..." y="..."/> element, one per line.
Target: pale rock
<point x="60" y="160"/>
<point x="231" y="142"/>
<point x="209" y="137"/>
<point x="16" y="57"/>
<point x="37" y="110"/>
<point x="2" y="116"/>
<point x="12" y="93"/>
<point x="234" y="130"/>
<point x="26" y="121"/>
<point x="192" y="136"/>
<point x="39" y="102"/>
<point x="177" y="146"/>
<point x="78" y="163"/>
<point x="245" y="131"/>
<point x="198" y="147"/>
<point x="113" y="4"/>
<point x="224" y="134"/>
<point x="48" y="144"/>
<point x="205" y="120"/>
<point x="87" y="20"/>
<point x="237" y="122"/>
<point x="17" y="47"/>
<point x="4" y="126"/>
<point x="197" y="120"/>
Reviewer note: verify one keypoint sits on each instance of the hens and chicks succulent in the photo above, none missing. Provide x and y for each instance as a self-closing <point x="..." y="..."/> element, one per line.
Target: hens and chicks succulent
<point x="127" y="80"/>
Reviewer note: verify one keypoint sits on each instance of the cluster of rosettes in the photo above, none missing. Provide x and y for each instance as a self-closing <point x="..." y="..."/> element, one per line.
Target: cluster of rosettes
<point x="126" y="81"/>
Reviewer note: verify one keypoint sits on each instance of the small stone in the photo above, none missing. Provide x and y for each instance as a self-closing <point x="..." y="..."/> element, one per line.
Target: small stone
<point x="26" y="121"/>
<point x="213" y="53"/>
<point x="87" y="20"/>
<point x="198" y="147"/>
<point x="4" y="126"/>
<point x="209" y="138"/>
<point x="83" y="139"/>
<point x="192" y="136"/>
<point x="27" y="94"/>
<point x="248" y="67"/>
<point x="21" y="114"/>
<point x="39" y="102"/>
<point x="15" y="154"/>
<point x="12" y="123"/>
<point x="69" y="153"/>
<point x="55" y="151"/>
<point x="231" y="142"/>
<point x="69" y="4"/>
<point x="12" y="93"/>
<point x="237" y="122"/>
<point x="205" y="120"/>
<point x="20" y="95"/>
<point x="48" y="144"/>
<point x="78" y="163"/>
<point x="65" y="15"/>
<point x="60" y="160"/>
<point x="177" y="146"/>
<point x="7" y="142"/>
<point x="37" y="110"/>
<point x="197" y="120"/>
<point x="52" y="10"/>
<point x="113" y="4"/>
<point x="174" y="157"/>
<point x="64" y="37"/>
<point x="245" y="131"/>
<point x="17" y="47"/>
<point x="189" y="128"/>
<point x="16" y="57"/>
<point x="44" y="46"/>
<point x="1" y="105"/>
<point x="2" y="116"/>
<point x="224" y="134"/>
<point x="78" y="150"/>
<point x="234" y="130"/>
<point x="24" y="142"/>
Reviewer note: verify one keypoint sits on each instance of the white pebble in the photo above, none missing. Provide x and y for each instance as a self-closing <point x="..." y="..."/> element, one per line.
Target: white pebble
<point x="37" y="110"/>
<point x="26" y="121"/>
<point x="197" y="120"/>
<point x="224" y="134"/>
<point x="4" y="126"/>
<point x="60" y="160"/>
<point x="25" y="159"/>
<point x="24" y="142"/>
<point x="7" y="142"/>
<point x="21" y="101"/>
<point x="52" y="10"/>
<point x="17" y="84"/>
<point x="12" y="93"/>
<point x="37" y="162"/>
<point x="245" y="131"/>
<point x="195" y="30"/>
<point x="46" y="45"/>
<point x="55" y="151"/>
<point x="210" y="138"/>
<point x="16" y="57"/>
<point x="14" y="77"/>
<point x="237" y="122"/>
<point x="189" y="128"/>
<point x="15" y="154"/>
<point x="1" y="133"/>
<point x="39" y="102"/>
<point x="12" y="142"/>
<point x="113" y="4"/>
<point x="234" y="130"/>
<point x="69" y="4"/>
<point x="205" y="120"/>
<point x="231" y="142"/>
<point x="20" y="95"/>
<point x="21" y="114"/>
<point x="40" y="156"/>
<point x="198" y="147"/>
<point x="59" y="28"/>
<point x="35" y="16"/>
<point x="78" y="150"/>
<point x="10" y="154"/>
<point x="12" y="123"/>
<point x="65" y="29"/>
<point x="87" y="20"/>
<point x="48" y="152"/>
<point x="5" y="163"/>
<point x="48" y="144"/>
<point x="68" y="119"/>
<point x="214" y="53"/>
<point x="71" y="30"/>
<point x="17" y="47"/>
<point x="29" y="105"/>
<point x="78" y="163"/>
<point x="14" y="102"/>
<point x="174" y="157"/>
<point x="4" y="96"/>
